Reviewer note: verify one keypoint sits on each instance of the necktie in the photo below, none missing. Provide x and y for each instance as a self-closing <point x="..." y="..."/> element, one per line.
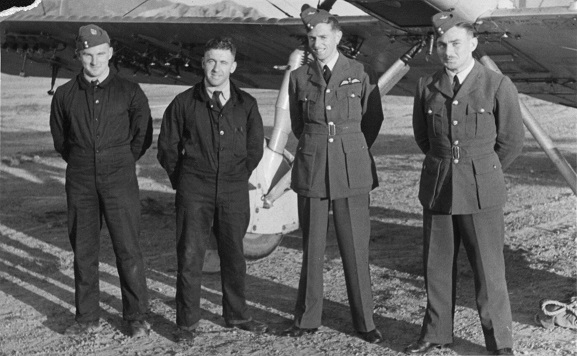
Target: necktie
<point x="326" y="73"/>
<point x="456" y="85"/>
<point x="216" y="98"/>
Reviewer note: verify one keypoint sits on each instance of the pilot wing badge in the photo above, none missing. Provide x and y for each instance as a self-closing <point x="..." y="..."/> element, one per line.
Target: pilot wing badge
<point x="349" y="81"/>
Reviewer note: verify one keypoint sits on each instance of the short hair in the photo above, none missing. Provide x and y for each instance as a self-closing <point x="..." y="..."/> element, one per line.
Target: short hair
<point x="469" y="27"/>
<point x="224" y="43"/>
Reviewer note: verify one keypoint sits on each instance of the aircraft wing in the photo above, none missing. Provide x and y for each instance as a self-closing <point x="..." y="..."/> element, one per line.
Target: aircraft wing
<point x="535" y="47"/>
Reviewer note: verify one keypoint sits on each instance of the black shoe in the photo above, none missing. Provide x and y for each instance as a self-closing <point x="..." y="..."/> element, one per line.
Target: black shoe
<point x="252" y="325"/>
<point x="504" y="351"/>
<point x="374" y="336"/>
<point x="295" y="331"/>
<point x="184" y="334"/>
<point x="83" y="328"/>
<point x="422" y="347"/>
<point x="139" y="328"/>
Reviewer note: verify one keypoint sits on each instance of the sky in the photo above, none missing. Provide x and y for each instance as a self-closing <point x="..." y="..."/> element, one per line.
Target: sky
<point x="291" y="6"/>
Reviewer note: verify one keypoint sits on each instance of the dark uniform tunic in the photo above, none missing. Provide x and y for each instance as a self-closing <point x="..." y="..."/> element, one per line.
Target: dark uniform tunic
<point x="469" y="139"/>
<point x="336" y="123"/>
<point x="209" y="155"/>
<point x="101" y="131"/>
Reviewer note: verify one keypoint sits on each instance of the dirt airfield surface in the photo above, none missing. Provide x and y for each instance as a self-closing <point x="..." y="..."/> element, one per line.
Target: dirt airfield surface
<point x="36" y="274"/>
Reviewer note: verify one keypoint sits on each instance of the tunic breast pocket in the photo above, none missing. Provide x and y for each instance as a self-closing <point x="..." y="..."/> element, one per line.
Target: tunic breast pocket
<point x="350" y="96"/>
<point x="308" y="101"/>
<point x="435" y="118"/>
<point x="479" y="121"/>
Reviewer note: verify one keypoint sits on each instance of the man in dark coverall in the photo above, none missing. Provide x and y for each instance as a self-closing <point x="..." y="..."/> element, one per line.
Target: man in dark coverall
<point x="467" y="121"/>
<point x="210" y="141"/>
<point x="336" y="118"/>
<point x="101" y="125"/>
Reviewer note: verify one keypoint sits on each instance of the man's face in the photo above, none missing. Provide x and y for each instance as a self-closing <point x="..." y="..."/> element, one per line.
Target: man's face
<point x="218" y="65"/>
<point x="95" y="59"/>
<point x="455" y="48"/>
<point x="323" y="41"/>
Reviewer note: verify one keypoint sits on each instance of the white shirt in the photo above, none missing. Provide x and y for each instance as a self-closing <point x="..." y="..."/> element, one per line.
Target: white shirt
<point x="331" y="63"/>
<point x="462" y="75"/>
<point x="225" y="91"/>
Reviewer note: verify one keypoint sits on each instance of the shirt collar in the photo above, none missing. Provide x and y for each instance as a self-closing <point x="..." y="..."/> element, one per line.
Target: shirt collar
<point x="462" y="74"/>
<point x="100" y="79"/>
<point x="225" y="91"/>
<point x="331" y="63"/>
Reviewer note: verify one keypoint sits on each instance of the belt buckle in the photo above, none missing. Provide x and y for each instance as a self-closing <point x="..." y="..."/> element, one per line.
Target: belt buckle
<point x="332" y="129"/>
<point x="456" y="152"/>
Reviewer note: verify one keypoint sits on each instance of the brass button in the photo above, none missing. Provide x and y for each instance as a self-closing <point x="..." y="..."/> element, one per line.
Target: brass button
<point x="328" y="107"/>
<point x="482" y="110"/>
<point x="456" y="142"/>
<point x="455" y="123"/>
<point x="456" y="161"/>
<point x="221" y="132"/>
<point x="352" y="95"/>
<point x="328" y="91"/>
<point x="331" y="139"/>
<point x="456" y="102"/>
<point x="430" y="111"/>
<point x="97" y="101"/>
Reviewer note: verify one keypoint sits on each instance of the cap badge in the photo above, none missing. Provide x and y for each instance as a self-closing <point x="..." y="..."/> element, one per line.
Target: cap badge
<point x="93" y="32"/>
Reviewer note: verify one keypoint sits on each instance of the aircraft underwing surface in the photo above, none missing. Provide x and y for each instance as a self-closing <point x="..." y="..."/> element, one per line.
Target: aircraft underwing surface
<point x="537" y="48"/>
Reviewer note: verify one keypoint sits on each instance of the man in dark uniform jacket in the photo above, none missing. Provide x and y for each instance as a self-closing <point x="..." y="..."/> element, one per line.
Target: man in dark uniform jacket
<point x="101" y="125"/>
<point x="470" y="131"/>
<point x="210" y="141"/>
<point x="336" y="114"/>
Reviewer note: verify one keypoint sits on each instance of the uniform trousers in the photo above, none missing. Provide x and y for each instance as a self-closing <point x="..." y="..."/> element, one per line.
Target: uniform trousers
<point x="100" y="186"/>
<point x="352" y="225"/>
<point x="201" y="204"/>
<point x="482" y="235"/>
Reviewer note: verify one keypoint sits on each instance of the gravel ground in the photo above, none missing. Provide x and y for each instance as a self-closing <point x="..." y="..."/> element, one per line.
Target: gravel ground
<point x="36" y="276"/>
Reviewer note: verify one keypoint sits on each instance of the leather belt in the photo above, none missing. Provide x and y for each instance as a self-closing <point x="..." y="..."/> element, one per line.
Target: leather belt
<point x="331" y="129"/>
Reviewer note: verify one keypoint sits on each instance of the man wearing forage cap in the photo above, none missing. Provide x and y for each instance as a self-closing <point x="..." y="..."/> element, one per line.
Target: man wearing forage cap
<point x="467" y="121"/>
<point x="336" y="114"/>
<point x="101" y="125"/>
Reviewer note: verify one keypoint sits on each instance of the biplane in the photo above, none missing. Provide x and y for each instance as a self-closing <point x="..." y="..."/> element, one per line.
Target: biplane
<point x="532" y="42"/>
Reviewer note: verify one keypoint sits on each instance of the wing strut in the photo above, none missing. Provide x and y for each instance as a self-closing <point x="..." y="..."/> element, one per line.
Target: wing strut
<point x="55" y="69"/>
<point x="544" y="141"/>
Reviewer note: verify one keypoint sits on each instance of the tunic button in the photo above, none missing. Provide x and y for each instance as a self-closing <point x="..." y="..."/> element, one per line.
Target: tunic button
<point x="430" y="111"/>
<point x="456" y="142"/>
<point x="456" y="102"/>
<point x="455" y="123"/>
<point x="482" y="110"/>
<point x="221" y="132"/>
<point x="352" y="95"/>
<point x="456" y="161"/>
<point x="328" y="107"/>
<point x="97" y="101"/>
<point x="494" y="167"/>
<point x="328" y="90"/>
<point x="331" y="139"/>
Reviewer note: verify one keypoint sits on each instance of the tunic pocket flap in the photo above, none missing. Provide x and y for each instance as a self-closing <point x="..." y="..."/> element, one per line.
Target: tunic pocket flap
<point x="477" y="108"/>
<point x="349" y="93"/>
<point x="353" y="144"/>
<point x="308" y="96"/>
<point x="486" y="165"/>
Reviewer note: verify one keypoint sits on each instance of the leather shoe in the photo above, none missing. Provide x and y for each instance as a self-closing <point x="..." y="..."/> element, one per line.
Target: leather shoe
<point x="139" y="328"/>
<point x="422" y="347"/>
<point x="185" y="334"/>
<point x="504" y="351"/>
<point x="295" y="331"/>
<point x="252" y="325"/>
<point x="83" y="328"/>
<point x="374" y="336"/>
